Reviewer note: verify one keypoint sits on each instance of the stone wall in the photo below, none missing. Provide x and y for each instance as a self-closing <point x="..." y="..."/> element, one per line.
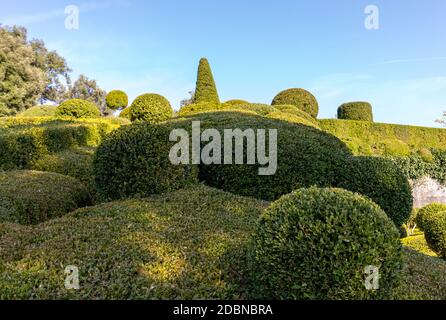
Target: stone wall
<point x="426" y="191"/>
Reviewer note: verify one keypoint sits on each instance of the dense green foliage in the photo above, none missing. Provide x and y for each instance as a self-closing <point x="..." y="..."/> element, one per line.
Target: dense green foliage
<point x="305" y="156"/>
<point x="32" y="197"/>
<point x="296" y="112"/>
<point x="360" y="111"/>
<point x="134" y="161"/>
<point x="151" y="108"/>
<point x="182" y="245"/>
<point x="200" y="108"/>
<point x="424" y="164"/>
<point x="382" y="181"/>
<point x="316" y="243"/>
<point x="28" y="71"/>
<point x="236" y="102"/>
<point x="117" y="99"/>
<point x="289" y="117"/>
<point x="77" y="108"/>
<point x="39" y="111"/>
<point x="259" y="108"/>
<point x="88" y="90"/>
<point x="427" y="211"/>
<point x="365" y="138"/>
<point x="299" y="98"/>
<point x="76" y="163"/>
<point x="25" y="140"/>
<point x="205" y="90"/>
<point x="433" y="222"/>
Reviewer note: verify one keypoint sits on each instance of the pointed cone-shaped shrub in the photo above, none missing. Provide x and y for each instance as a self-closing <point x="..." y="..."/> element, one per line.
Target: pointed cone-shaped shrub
<point x="205" y="91"/>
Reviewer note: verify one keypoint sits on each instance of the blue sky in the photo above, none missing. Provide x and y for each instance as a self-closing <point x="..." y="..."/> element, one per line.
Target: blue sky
<point x="256" y="49"/>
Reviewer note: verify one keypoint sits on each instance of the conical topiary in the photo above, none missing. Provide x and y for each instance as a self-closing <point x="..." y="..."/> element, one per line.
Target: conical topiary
<point x="205" y="90"/>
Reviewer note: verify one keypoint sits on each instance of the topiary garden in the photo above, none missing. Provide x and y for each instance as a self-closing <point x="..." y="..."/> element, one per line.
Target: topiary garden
<point x="104" y="194"/>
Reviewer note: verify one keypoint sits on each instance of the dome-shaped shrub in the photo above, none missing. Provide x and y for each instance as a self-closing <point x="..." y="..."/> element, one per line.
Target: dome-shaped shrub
<point x="383" y="182"/>
<point x="235" y="102"/>
<point x="125" y="113"/>
<point x="32" y="197"/>
<point x="200" y="107"/>
<point x="316" y="244"/>
<point x="77" y="108"/>
<point x="39" y="111"/>
<point x="299" y="98"/>
<point x="117" y="99"/>
<point x="134" y="161"/>
<point x="361" y="111"/>
<point x="433" y="223"/>
<point x="305" y="156"/>
<point x="287" y="108"/>
<point x="427" y="211"/>
<point x="284" y="116"/>
<point x="151" y="108"/>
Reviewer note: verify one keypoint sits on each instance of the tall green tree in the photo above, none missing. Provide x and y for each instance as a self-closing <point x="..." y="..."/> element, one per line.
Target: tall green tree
<point x="29" y="72"/>
<point x="21" y="81"/>
<point x="206" y="90"/>
<point x="88" y="89"/>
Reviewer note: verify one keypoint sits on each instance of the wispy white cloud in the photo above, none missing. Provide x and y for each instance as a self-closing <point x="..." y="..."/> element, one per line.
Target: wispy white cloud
<point x="397" y="61"/>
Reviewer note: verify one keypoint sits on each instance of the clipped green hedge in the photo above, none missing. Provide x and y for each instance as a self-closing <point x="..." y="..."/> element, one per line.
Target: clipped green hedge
<point x="296" y="112"/>
<point x="383" y="182"/>
<point x="200" y="108"/>
<point x="433" y="222"/>
<point x="426" y="163"/>
<point x="134" y="161"/>
<point x="316" y="243"/>
<point x="299" y="98"/>
<point x="365" y="138"/>
<point x="76" y="163"/>
<point x="39" y="111"/>
<point x="117" y="99"/>
<point x="360" y="111"/>
<point x="24" y="141"/>
<point x="427" y="211"/>
<point x="77" y="108"/>
<point x="259" y="108"/>
<point x="32" y="197"/>
<point x="288" y="117"/>
<point x="182" y="245"/>
<point x="205" y="89"/>
<point x="152" y="108"/>
<point x="306" y="156"/>
<point x="235" y="102"/>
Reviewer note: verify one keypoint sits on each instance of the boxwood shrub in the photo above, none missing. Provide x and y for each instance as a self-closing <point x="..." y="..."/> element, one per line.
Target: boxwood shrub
<point x="134" y="161"/>
<point x="77" y="108"/>
<point x="117" y="99"/>
<point x="296" y="111"/>
<point x="299" y="98"/>
<point x="383" y="182"/>
<point x="32" y="197"/>
<point x="316" y="243"/>
<point x="200" y="107"/>
<point x="235" y="102"/>
<point x="152" y="108"/>
<point x="180" y="245"/>
<point x="285" y="116"/>
<point x="22" y="144"/>
<point x="39" y="111"/>
<point x="360" y="111"/>
<point x="428" y="211"/>
<point x="433" y="222"/>
<point x="306" y="156"/>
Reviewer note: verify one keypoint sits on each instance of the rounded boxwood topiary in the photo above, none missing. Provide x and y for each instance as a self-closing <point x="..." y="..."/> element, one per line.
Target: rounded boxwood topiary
<point x="433" y="222"/>
<point x="317" y="243"/>
<point x="360" y="111"/>
<point x="152" y="108"/>
<point x="383" y="182"/>
<point x="77" y="108"/>
<point x="427" y="211"/>
<point x="134" y="161"/>
<point x="305" y="156"/>
<point x="235" y="102"/>
<point x="32" y="197"/>
<point x="39" y="111"/>
<point x="299" y="98"/>
<point x="117" y="99"/>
